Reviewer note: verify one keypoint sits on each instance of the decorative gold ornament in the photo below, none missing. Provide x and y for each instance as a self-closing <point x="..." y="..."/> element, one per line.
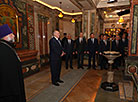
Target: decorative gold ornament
<point x="60" y="14"/>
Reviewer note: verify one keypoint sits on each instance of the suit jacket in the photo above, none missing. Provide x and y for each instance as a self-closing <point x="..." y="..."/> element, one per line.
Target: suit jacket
<point x="118" y="47"/>
<point x="55" y="49"/>
<point x="125" y="43"/>
<point x="11" y="78"/>
<point x="69" y="48"/>
<point x="63" y="41"/>
<point x="92" y="47"/>
<point x="81" y="47"/>
<point x="103" y="47"/>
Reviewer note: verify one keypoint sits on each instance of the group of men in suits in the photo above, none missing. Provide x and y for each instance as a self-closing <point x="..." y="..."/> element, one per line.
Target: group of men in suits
<point x="82" y="47"/>
<point x="117" y="44"/>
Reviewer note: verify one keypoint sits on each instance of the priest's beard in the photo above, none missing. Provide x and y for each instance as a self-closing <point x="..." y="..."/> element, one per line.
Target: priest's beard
<point x="11" y="40"/>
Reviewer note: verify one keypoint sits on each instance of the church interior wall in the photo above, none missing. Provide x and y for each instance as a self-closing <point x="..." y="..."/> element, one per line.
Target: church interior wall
<point x="36" y="25"/>
<point x="69" y="27"/>
<point x="91" y="23"/>
<point x="29" y="43"/>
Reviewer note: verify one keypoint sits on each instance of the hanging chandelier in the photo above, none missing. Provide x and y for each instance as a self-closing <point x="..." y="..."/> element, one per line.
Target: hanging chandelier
<point x="60" y="14"/>
<point x="73" y="20"/>
<point x="121" y="20"/>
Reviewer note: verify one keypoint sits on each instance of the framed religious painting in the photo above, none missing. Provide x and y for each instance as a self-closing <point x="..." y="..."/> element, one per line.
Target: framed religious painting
<point x="9" y="15"/>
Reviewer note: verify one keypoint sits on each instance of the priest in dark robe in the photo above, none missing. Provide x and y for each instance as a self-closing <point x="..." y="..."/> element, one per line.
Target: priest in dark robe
<point x="11" y="78"/>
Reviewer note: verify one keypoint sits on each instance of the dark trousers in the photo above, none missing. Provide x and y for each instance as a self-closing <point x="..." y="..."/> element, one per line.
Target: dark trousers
<point x="55" y="68"/>
<point x="80" y="59"/>
<point x="123" y="59"/>
<point x="91" y="56"/>
<point x="103" y="62"/>
<point x="68" y="57"/>
<point x="117" y="62"/>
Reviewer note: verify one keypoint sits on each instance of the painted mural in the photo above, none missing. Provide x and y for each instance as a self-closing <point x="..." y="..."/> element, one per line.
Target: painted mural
<point x="30" y="19"/>
<point x="92" y="21"/>
<point x="20" y="17"/>
<point x="78" y="28"/>
<point x="9" y="16"/>
<point x="134" y="31"/>
<point x="13" y="16"/>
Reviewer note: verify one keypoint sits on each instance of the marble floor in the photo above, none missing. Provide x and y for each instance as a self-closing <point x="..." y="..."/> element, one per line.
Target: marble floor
<point x="85" y="91"/>
<point x="34" y="84"/>
<point x="87" y="88"/>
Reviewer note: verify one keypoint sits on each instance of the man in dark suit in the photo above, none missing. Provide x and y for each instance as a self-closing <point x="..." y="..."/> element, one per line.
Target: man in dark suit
<point x="69" y="48"/>
<point x="11" y="77"/>
<point x="117" y="46"/>
<point x="63" y="43"/>
<point x="104" y="46"/>
<point x="80" y="49"/>
<point x="64" y="39"/>
<point x="56" y="52"/>
<point x="92" y="48"/>
<point x="124" y="41"/>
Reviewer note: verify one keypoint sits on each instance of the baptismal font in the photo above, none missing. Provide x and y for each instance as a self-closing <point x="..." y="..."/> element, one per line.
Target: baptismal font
<point x="109" y="85"/>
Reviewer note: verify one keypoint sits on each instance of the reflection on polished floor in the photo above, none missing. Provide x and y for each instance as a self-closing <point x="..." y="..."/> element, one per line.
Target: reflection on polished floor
<point x="87" y="88"/>
<point x="88" y="85"/>
<point x="36" y="83"/>
<point x="85" y="91"/>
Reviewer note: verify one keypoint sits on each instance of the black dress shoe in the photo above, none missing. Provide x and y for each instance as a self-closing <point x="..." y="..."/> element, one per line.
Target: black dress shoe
<point x="60" y="81"/>
<point x="56" y="84"/>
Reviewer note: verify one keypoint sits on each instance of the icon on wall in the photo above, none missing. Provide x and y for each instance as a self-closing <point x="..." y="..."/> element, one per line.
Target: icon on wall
<point x="9" y="16"/>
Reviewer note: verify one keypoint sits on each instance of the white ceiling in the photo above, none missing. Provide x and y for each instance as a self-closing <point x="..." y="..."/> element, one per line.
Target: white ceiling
<point x="66" y="5"/>
<point x="103" y="3"/>
<point x="79" y="5"/>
